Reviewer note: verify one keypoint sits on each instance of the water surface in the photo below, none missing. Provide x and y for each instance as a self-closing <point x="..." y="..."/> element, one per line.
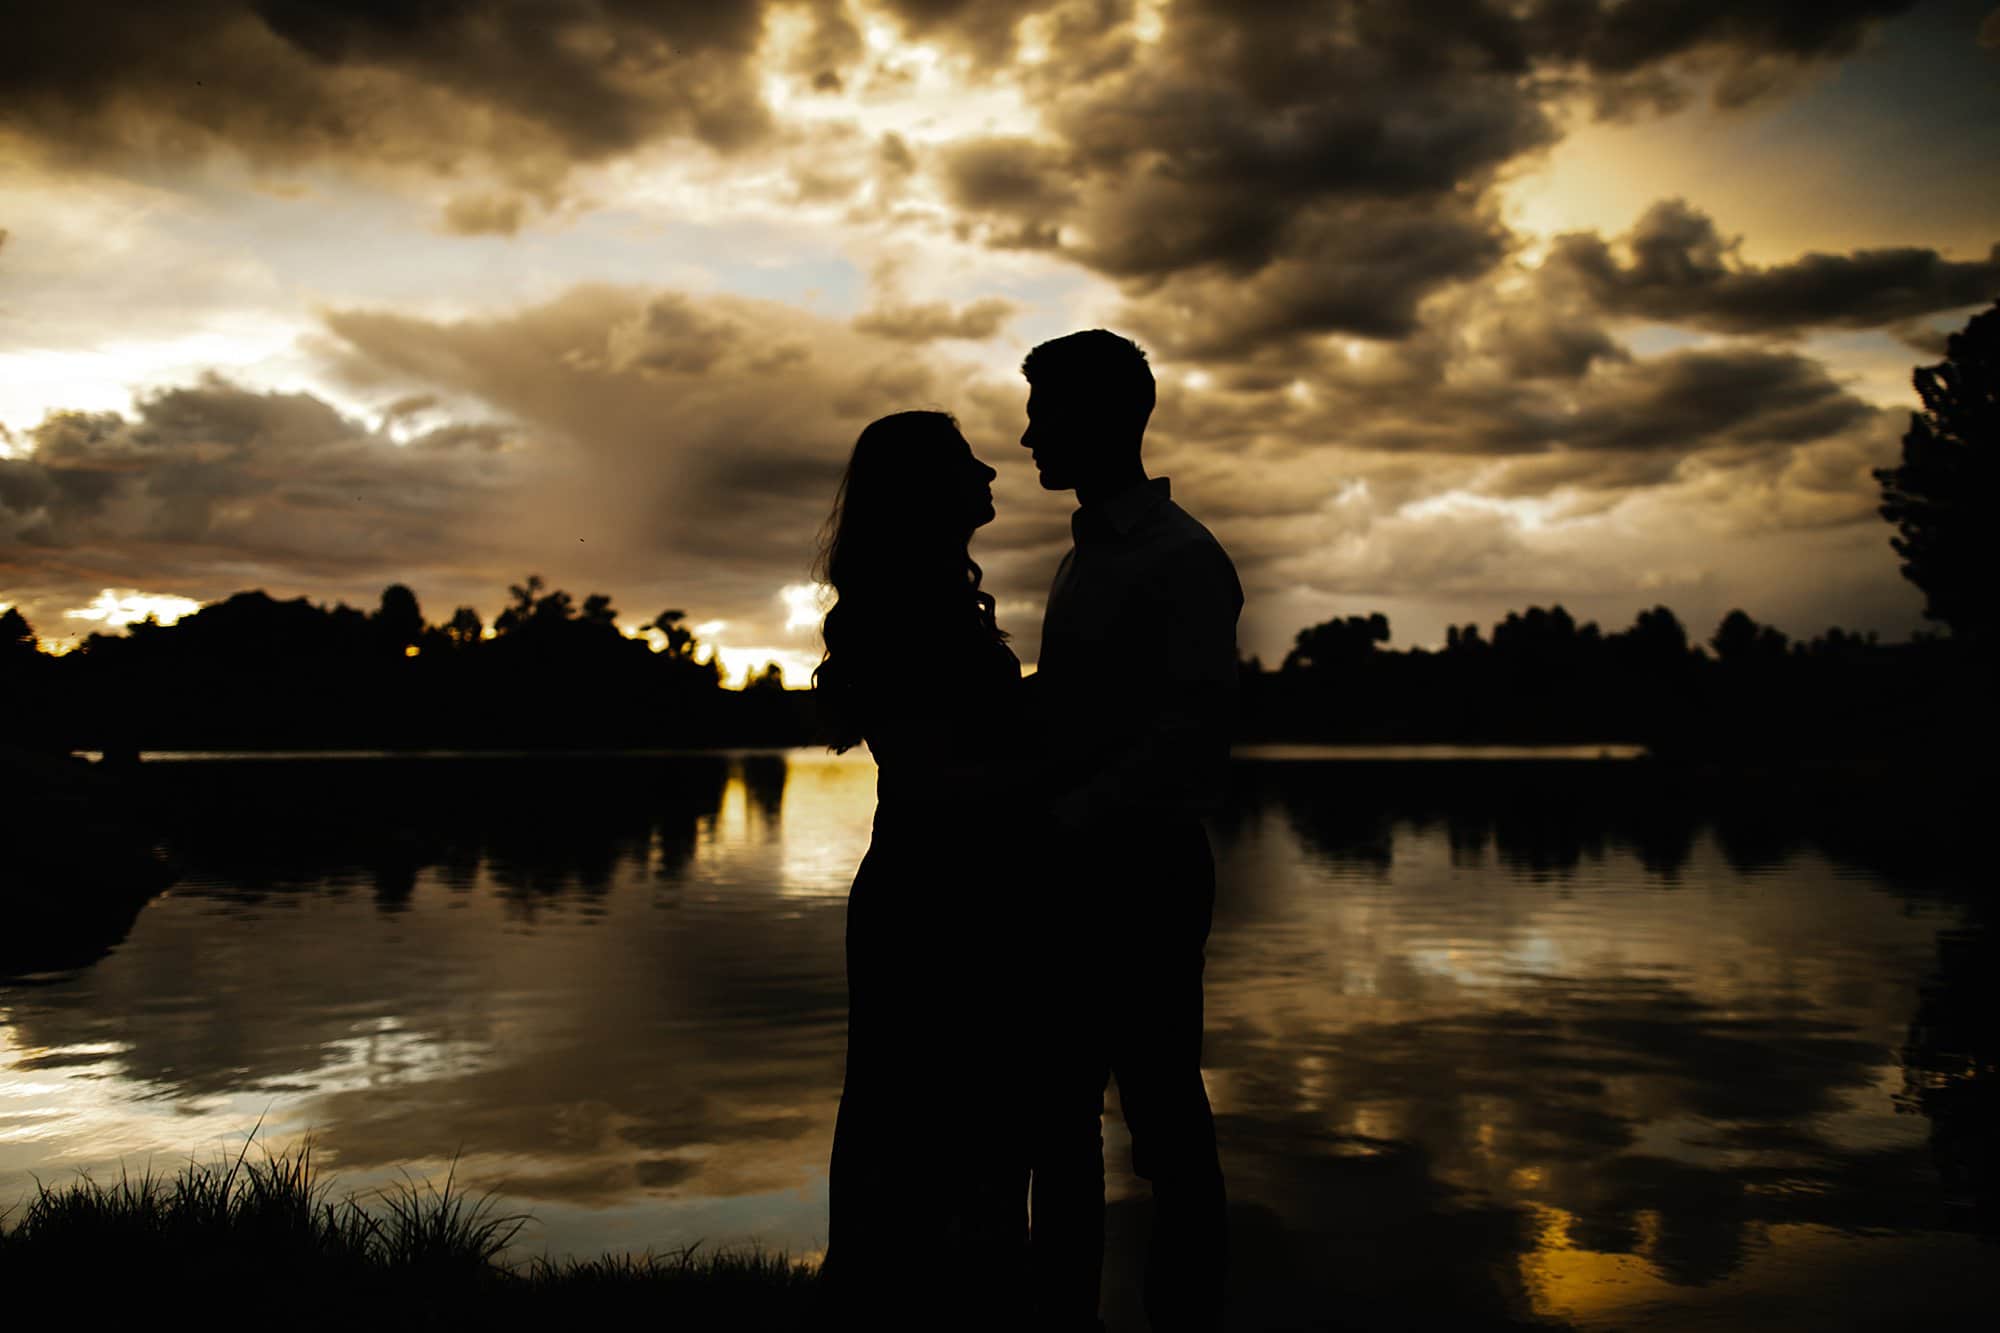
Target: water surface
<point x="1490" y="1043"/>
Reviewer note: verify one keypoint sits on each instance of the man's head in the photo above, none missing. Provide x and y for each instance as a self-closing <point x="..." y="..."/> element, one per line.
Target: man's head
<point x="1089" y="395"/>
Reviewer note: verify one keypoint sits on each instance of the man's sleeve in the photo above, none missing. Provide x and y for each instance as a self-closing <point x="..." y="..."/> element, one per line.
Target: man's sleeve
<point x="1186" y="673"/>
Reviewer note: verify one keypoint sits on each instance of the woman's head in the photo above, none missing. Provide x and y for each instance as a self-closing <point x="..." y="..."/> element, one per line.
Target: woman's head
<point x="913" y="475"/>
<point x="895" y="548"/>
<point x="911" y="499"/>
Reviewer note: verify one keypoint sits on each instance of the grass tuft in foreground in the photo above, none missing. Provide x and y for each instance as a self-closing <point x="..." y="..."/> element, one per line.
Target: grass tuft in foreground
<point x="267" y="1239"/>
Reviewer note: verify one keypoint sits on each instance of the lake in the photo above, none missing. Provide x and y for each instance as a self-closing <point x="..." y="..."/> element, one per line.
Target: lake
<point x="1499" y="1040"/>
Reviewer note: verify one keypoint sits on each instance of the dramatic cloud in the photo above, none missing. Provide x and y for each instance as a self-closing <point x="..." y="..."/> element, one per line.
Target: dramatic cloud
<point x="1246" y="182"/>
<point x="484" y="214"/>
<point x="1252" y="175"/>
<point x="531" y="87"/>
<point x="1682" y="270"/>
<point x="214" y="468"/>
<point x="1012" y="191"/>
<point x="692" y="443"/>
<point x="1625" y="36"/>
<point x="528" y="86"/>
<point x="935" y="319"/>
<point x="1750" y="49"/>
<point x="1361" y="270"/>
<point x="1543" y="342"/>
<point x="212" y="487"/>
<point x="1694" y="400"/>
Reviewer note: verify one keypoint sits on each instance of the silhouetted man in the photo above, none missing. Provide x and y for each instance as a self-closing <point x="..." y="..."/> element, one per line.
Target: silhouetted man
<point x="1136" y="683"/>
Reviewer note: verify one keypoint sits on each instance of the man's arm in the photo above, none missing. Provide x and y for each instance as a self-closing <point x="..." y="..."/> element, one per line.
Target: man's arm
<point x="1175" y="762"/>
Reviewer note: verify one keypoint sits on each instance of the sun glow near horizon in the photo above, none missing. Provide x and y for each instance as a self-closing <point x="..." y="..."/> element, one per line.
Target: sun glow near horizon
<point x="113" y="608"/>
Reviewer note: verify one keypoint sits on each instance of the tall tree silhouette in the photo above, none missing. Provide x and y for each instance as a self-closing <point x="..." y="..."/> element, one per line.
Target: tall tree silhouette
<point x="24" y="673"/>
<point x="1336" y="643"/>
<point x="1942" y="498"/>
<point x="536" y="612"/>
<point x="17" y="636"/>
<point x="680" y="639"/>
<point x="1657" y="636"/>
<point x="399" y="620"/>
<point x="1463" y="639"/>
<point x="1740" y="639"/>
<point x="1543" y="636"/>
<point x="522" y="608"/>
<point x="464" y="627"/>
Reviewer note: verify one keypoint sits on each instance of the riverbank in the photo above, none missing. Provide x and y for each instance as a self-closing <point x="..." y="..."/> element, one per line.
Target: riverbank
<point x="269" y="1239"/>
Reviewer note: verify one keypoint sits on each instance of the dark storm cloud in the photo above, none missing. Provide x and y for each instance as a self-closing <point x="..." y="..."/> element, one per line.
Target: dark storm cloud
<point x="694" y="441"/>
<point x="1323" y="467"/>
<point x="224" y="468"/>
<point x="1544" y="343"/>
<point x="1302" y="99"/>
<point x="1633" y="56"/>
<point x="1442" y="392"/>
<point x="1014" y="176"/>
<point x="1251" y="177"/>
<point x="1707" y="398"/>
<point x="670" y="336"/>
<point x="1681" y="269"/>
<point x="212" y="487"/>
<point x="930" y="320"/>
<point x="484" y="214"/>
<point x="659" y="404"/>
<point x="1213" y="171"/>
<point x="533" y="84"/>
<point x="1260" y="174"/>
<point x="1612" y="38"/>
<point x="1360" y="270"/>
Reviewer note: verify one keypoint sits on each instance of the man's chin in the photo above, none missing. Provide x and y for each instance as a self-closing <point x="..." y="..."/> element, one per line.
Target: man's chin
<point x="1054" y="481"/>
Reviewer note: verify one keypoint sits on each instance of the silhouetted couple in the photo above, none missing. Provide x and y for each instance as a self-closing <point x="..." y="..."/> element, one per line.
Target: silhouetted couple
<point x="1030" y="919"/>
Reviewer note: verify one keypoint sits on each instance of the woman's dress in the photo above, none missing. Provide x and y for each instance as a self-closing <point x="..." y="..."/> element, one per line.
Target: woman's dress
<point x="928" y="1178"/>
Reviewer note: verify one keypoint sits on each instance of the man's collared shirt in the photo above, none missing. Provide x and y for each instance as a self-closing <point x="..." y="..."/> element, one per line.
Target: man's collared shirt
<point x="1138" y="659"/>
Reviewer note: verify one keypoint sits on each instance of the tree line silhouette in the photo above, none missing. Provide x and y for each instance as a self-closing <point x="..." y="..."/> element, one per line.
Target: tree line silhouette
<point x="1539" y="676"/>
<point x="254" y="672"/>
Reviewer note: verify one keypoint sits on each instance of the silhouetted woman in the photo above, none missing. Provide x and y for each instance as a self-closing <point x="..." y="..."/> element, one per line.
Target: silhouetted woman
<point x="927" y="1222"/>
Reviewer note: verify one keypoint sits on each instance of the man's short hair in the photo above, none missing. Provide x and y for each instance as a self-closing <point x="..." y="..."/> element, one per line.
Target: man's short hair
<point x="1098" y="367"/>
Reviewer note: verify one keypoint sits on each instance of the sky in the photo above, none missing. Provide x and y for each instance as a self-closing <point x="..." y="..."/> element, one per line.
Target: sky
<point x="1456" y="306"/>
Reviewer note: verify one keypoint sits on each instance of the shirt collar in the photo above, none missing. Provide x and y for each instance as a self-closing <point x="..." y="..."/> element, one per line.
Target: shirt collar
<point x="1123" y="511"/>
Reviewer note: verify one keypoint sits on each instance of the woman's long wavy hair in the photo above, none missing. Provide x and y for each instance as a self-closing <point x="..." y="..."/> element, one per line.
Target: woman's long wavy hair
<point x="895" y="552"/>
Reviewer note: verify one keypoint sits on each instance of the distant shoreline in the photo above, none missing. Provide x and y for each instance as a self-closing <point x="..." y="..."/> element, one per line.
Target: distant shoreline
<point x="1255" y="752"/>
